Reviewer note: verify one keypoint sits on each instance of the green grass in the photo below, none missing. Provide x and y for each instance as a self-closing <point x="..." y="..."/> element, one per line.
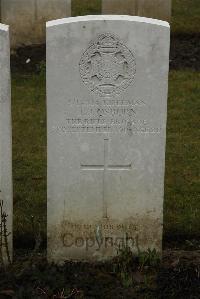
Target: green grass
<point x="182" y="202"/>
<point x="182" y="185"/>
<point x="29" y="152"/>
<point x="86" y="7"/>
<point x="185" y="16"/>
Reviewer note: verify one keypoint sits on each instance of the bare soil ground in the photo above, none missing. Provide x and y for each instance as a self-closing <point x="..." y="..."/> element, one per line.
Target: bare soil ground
<point x="32" y="277"/>
<point x="185" y="51"/>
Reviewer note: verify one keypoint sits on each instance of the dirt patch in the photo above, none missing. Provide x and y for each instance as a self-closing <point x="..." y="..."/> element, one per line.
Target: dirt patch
<point x="28" y="59"/>
<point x="32" y="277"/>
<point x="179" y="276"/>
<point x="172" y="258"/>
<point x="184" y="53"/>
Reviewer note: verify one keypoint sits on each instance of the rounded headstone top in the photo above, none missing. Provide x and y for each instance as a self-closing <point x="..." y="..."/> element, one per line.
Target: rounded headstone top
<point x="107" y="18"/>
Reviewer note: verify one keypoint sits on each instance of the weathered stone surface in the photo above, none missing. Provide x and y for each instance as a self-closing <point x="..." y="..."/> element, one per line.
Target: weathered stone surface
<point x="27" y="18"/>
<point x="5" y="142"/>
<point x="157" y="9"/>
<point x="107" y="81"/>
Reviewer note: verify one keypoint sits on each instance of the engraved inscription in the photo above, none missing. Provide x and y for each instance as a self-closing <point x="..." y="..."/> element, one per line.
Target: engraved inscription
<point x="107" y="67"/>
<point x="116" y="116"/>
<point x="104" y="226"/>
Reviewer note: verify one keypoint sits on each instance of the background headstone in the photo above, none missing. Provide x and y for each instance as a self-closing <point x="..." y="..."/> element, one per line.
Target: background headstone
<point x="107" y="82"/>
<point x="5" y="140"/>
<point x="27" y="18"/>
<point x="157" y="9"/>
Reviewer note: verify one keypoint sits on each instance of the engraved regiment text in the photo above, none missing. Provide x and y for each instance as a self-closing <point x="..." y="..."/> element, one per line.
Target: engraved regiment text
<point x="115" y="116"/>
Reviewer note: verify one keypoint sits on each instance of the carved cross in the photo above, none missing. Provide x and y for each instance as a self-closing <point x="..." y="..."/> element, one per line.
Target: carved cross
<point x="105" y="167"/>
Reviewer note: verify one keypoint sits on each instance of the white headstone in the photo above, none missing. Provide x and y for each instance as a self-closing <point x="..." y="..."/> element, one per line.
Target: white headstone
<point x="27" y="18"/>
<point x="5" y="145"/>
<point x="157" y="9"/>
<point x="107" y="82"/>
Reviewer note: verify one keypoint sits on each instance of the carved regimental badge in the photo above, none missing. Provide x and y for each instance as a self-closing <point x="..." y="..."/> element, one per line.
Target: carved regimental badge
<point x="107" y="67"/>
